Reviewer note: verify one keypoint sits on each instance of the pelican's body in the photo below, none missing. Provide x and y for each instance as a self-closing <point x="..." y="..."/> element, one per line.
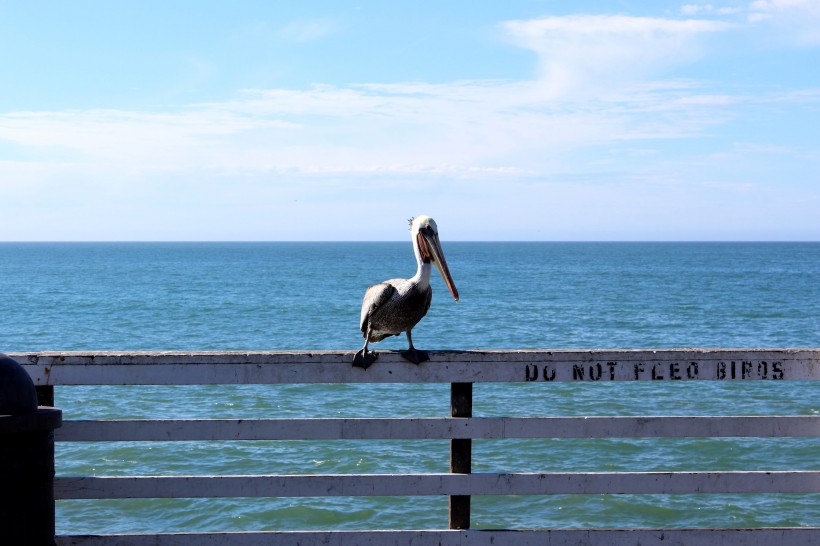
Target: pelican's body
<point x="397" y="305"/>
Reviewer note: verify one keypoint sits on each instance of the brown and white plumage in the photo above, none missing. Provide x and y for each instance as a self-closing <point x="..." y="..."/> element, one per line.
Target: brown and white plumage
<point x="397" y="305"/>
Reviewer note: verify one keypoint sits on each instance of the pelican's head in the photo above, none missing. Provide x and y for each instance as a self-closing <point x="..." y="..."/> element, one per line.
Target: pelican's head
<point x="424" y="232"/>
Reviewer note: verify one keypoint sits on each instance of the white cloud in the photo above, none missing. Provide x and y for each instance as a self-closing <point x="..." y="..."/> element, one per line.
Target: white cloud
<point x="463" y="128"/>
<point x="277" y="163"/>
<point x="587" y="55"/>
<point x="467" y="129"/>
<point x="597" y="88"/>
<point x="694" y="9"/>
<point x="797" y="21"/>
<point x="294" y="157"/>
<point x="709" y="9"/>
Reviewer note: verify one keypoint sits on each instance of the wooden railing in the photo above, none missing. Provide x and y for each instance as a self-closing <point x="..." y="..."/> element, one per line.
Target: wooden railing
<point x="461" y="369"/>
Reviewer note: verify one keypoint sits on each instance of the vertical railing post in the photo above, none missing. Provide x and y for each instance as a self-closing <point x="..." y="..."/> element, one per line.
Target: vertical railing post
<point x="461" y="405"/>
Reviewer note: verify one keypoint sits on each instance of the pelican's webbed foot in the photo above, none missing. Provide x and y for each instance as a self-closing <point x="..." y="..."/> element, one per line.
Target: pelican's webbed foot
<point x="412" y="354"/>
<point x="415" y="356"/>
<point x="364" y="359"/>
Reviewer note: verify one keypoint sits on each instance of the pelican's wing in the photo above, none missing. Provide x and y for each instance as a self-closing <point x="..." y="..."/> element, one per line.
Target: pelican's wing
<point x="375" y="296"/>
<point x="427" y="301"/>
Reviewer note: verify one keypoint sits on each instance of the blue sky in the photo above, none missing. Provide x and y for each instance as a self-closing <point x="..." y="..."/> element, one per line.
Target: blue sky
<point x="519" y="120"/>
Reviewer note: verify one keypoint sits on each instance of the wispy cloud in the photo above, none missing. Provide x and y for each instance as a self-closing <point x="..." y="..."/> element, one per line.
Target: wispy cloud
<point x="603" y="95"/>
<point x="798" y="21"/>
<point x="793" y="22"/>
<point x="600" y="83"/>
<point x="469" y="128"/>
<point x="709" y="9"/>
<point x="586" y="55"/>
<point x="307" y="30"/>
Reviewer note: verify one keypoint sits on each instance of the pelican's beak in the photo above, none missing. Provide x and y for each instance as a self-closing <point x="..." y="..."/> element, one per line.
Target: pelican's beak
<point x="429" y="241"/>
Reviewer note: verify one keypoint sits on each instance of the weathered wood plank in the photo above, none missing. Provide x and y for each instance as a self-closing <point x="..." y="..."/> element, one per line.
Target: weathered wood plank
<point x="438" y="428"/>
<point x="178" y="368"/>
<point x="437" y="484"/>
<point x="528" y="537"/>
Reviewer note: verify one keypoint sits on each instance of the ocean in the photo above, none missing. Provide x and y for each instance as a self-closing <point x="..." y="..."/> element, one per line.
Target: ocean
<point x="306" y="296"/>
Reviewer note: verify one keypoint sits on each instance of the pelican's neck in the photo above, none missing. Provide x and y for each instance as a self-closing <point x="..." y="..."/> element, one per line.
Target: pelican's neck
<point x="422" y="276"/>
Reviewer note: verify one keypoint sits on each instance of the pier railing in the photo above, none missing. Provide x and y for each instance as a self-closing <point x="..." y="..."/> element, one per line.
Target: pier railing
<point x="461" y="369"/>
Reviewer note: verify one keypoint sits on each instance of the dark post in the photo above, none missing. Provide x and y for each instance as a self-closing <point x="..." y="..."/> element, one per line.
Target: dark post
<point x="45" y="395"/>
<point x="461" y="405"/>
<point x="26" y="460"/>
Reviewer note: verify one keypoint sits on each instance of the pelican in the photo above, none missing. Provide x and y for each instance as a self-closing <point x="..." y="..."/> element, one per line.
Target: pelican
<point x="397" y="305"/>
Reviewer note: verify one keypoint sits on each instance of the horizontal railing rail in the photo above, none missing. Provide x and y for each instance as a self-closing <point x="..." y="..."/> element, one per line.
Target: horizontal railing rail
<point x="461" y="369"/>
<point x="438" y="428"/>
<point x="421" y="485"/>
<point x="530" y="537"/>
<point x="225" y="368"/>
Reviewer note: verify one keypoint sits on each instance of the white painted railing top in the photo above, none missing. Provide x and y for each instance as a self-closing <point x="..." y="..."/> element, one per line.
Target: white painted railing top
<point x="268" y="367"/>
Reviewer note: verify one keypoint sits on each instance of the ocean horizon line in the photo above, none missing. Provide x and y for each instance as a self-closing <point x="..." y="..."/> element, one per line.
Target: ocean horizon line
<point x="375" y="241"/>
